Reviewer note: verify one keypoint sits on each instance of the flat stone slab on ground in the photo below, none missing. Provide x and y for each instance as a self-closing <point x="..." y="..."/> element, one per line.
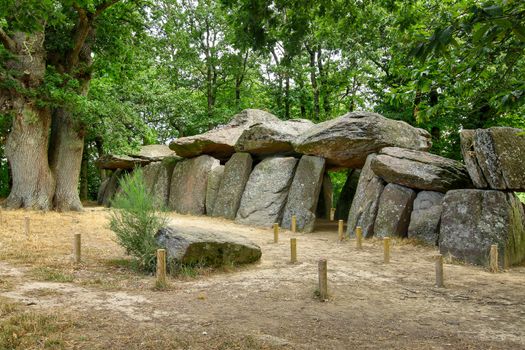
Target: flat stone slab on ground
<point x="195" y="245"/>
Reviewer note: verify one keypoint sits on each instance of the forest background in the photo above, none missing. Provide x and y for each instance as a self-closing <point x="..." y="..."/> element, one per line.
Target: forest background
<point x="109" y="76"/>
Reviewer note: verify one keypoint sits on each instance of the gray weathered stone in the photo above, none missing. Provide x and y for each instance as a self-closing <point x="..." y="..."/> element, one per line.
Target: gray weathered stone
<point x="469" y="156"/>
<point x="347" y="141"/>
<point x="420" y="170"/>
<point x="220" y="141"/>
<point x="271" y="137"/>
<point x="236" y="173"/>
<point x="113" y="162"/>
<point x="214" y="181"/>
<point x="265" y="193"/>
<point x="153" y="153"/>
<point x="347" y="194"/>
<point x="101" y="190"/>
<point x="304" y="193"/>
<point x="144" y="156"/>
<point x="111" y="188"/>
<point x="473" y="220"/>
<point x="366" y="201"/>
<point x="425" y="217"/>
<point x="195" y="245"/>
<point x="494" y="157"/>
<point x="188" y="185"/>
<point x="393" y="214"/>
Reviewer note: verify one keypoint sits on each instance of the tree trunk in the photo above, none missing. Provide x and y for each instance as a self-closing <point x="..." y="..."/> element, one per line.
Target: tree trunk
<point x="84" y="174"/>
<point x="65" y="158"/>
<point x="27" y="143"/>
<point x="315" y="88"/>
<point x="287" y="98"/>
<point x="26" y="150"/>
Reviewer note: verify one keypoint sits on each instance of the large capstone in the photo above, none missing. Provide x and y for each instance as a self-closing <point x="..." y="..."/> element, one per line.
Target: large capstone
<point x="366" y="201"/>
<point x="195" y="245"/>
<point x="420" y="170"/>
<point x="273" y="137"/>
<point x="304" y="193"/>
<point x="347" y="194"/>
<point x="212" y="188"/>
<point x="494" y="157"/>
<point x="265" y="194"/>
<point x="425" y="217"/>
<point x="236" y="173"/>
<point x="473" y="220"/>
<point x="144" y="156"/>
<point x="347" y="141"/>
<point x="393" y="214"/>
<point x="220" y="141"/>
<point x="188" y="185"/>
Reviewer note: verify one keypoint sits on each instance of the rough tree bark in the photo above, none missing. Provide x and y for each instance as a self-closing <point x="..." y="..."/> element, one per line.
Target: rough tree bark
<point x="26" y="145"/>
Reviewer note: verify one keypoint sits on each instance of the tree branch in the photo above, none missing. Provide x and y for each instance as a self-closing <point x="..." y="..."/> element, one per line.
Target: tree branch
<point x="105" y="5"/>
<point x="8" y="43"/>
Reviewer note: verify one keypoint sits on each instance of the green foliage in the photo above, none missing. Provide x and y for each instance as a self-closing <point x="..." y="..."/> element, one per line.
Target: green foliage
<point x="338" y="181"/>
<point x="135" y="220"/>
<point x="521" y="196"/>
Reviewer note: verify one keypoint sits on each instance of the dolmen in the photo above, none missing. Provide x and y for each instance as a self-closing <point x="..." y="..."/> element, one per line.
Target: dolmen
<point x="260" y="170"/>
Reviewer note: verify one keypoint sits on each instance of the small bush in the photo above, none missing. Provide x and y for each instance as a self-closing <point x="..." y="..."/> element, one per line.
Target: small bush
<point x="135" y="219"/>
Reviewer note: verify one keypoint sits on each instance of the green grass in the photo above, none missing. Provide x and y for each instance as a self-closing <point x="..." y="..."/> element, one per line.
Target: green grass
<point x="52" y="275"/>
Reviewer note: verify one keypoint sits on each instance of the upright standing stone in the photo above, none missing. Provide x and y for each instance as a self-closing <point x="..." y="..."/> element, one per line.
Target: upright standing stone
<point x="494" y="157"/>
<point x="393" y="214"/>
<point x="366" y="201"/>
<point x="473" y="220"/>
<point x="326" y="198"/>
<point x="161" y="188"/>
<point x="188" y="185"/>
<point x="425" y="217"/>
<point x="347" y="194"/>
<point x="236" y="173"/>
<point x="304" y="193"/>
<point x="265" y="194"/>
<point x="212" y="189"/>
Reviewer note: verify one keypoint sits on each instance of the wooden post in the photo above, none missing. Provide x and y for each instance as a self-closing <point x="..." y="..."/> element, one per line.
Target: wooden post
<point x="323" y="279"/>
<point x="275" y="233"/>
<point x="439" y="271"/>
<point x="332" y="214"/>
<point x="27" y="232"/>
<point x="340" y="230"/>
<point x="359" y="237"/>
<point x="294" y="223"/>
<point x="386" y="250"/>
<point x="293" y="250"/>
<point x="161" y="268"/>
<point x="494" y="265"/>
<point x="77" y="248"/>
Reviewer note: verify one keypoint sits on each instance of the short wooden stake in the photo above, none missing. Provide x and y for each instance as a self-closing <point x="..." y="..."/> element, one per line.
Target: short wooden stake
<point x="161" y="268"/>
<point x="340" y="230"/>
<point x="332" y="214"/>
<point x="359" y="237"/>
<point x="77" y="248"/>
<point x="494" y="265"/>
<point x="323" y="280"/>
<point x="27" y="232"/>
<point x="293" y="250"/>
<point x="275" y="233"/>
<point x="439" y="271"/>
<point x="386" y="250"/>
<point x="294" y="223"/>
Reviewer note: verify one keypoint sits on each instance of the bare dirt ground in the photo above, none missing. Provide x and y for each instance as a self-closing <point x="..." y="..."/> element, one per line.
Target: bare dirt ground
<point x="103" y="304"/>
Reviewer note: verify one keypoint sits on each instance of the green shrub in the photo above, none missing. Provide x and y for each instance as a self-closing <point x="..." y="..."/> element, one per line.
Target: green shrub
<point x="135" y="219"/>
<point x="521" y="196"/>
